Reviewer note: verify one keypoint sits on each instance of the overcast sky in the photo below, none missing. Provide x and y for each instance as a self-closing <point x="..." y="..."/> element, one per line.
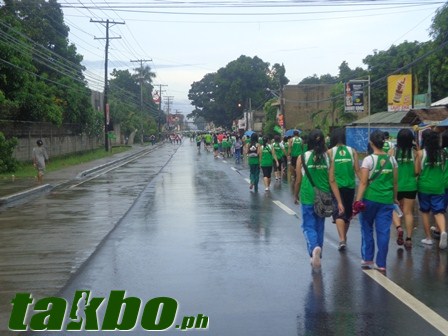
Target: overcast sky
<point x="186" y="40"/>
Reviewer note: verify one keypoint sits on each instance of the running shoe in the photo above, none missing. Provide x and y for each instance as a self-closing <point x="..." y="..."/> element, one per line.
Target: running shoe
<point x="315" y="260"/>
<point x="442" y="243"/>
<point x="366" y="264"/>
<point x="381" y="269"/>
<point x="408" y="243"/>
<point x="427" y="241"/>
<point x="435" y="233"/>
<point x="342" y="246"/>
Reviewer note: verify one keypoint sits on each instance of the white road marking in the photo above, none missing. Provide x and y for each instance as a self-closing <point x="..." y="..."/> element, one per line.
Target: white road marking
<point x="285" y="208"/>
<point x="247" y="180"/>
<point x="417" y="306"/>
<point x="233" y="168"/>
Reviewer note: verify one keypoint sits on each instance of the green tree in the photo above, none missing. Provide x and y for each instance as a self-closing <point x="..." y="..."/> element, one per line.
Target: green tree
<point x="270" y="120"/>
<point x="42" y="78"/>
<point x="438" y="62"/>
<point x="384" y="63"/>
<point x="125" y="104"/>
<point x="8" y="164"/>
<point x="223" y="96"/>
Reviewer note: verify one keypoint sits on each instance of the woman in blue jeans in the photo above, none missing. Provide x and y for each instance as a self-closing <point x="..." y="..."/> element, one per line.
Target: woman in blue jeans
<point x="322" y="174"/>
<point x="378" y="192"/>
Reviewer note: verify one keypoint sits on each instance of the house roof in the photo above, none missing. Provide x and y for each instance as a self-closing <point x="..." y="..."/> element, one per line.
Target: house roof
<point x="382" y="118"/>
<point x="441" y="102"/>
<point x="428" y="116"/>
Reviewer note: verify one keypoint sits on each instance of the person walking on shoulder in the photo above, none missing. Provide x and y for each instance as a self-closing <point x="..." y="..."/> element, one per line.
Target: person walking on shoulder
<point x="40" y="156"/>
<point x="318" y="164"/>
<point x="253" y="152"/>
<point x="377" y="190"/>
<point x="431" y="191"/>
<point x="344" y="161"/>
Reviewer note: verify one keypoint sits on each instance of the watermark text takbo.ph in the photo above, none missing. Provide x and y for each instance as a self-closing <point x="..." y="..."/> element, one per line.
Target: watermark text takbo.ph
<point x="121" y="313"/>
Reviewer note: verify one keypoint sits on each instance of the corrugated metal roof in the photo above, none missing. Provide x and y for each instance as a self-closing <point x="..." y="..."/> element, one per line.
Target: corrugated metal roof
<point x="382" y="118"/>
<point x="441" y="102"/>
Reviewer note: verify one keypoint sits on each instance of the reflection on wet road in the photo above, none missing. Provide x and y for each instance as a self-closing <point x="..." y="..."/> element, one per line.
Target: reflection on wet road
<point x="197" y="234"/>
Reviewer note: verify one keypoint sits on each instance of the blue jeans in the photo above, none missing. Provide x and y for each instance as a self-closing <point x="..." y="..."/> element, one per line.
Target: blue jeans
<point x="313" y="228"/>
<point x="237" y="155"/>
<point x="380" y="215"/>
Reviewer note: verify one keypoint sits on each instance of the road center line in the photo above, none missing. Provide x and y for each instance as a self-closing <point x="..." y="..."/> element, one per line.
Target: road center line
<point x="417" y="306"/>
<point x="285" y="208"/>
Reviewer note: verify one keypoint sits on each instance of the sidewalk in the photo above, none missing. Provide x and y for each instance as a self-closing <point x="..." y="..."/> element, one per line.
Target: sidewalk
<point x="17" y="190"/>
<point x="41" y="257"/>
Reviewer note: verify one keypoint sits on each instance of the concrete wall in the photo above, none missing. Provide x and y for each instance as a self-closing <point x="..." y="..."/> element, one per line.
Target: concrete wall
<point x="57" y="145"/>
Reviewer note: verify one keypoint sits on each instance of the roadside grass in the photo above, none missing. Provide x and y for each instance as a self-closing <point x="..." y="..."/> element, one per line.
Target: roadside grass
<point x="26" y="169"/>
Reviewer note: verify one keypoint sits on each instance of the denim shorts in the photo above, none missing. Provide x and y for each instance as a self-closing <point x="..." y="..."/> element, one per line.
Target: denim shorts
<point x="431" y="203"/>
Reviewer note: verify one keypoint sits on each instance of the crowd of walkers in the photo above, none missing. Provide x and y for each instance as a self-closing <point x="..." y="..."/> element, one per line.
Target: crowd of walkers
<point x="389" y="179"/>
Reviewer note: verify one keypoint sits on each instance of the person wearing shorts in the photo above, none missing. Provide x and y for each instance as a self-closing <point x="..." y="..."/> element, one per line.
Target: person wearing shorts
<point x="267" y="159"/>
<point x="405" y="154"/>
<point x="431" y="191"/>
<point x="344" y="160"/>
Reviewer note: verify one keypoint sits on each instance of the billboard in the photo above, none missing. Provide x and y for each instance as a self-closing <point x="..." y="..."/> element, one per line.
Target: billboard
<point x="399" y="93"/>
<point x="354" y="96"/>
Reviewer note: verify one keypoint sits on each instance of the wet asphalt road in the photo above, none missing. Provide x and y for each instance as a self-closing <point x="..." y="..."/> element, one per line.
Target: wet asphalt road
<point x="198" y="235"/>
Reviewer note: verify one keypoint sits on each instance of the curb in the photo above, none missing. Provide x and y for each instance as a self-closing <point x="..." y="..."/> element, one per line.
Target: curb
<point x="48" y="187"/>
<point x="26" y="193"/>
<point x="90" y="171"/>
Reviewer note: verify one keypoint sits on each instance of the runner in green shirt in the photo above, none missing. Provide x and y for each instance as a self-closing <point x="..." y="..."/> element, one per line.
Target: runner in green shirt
<point x="431" y="190"/>
<point x="322" y="175"/>
<point x="346" y="165"/>
<point x="405" y="154"/>
<point x="267" y="159"/>
<point x="295" y="149"/>
<point x="253" y="153"/>
<point x="377" y="191"/>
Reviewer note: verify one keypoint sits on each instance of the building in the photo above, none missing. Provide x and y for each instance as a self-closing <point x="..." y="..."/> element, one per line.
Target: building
<point x="302" y="101"/>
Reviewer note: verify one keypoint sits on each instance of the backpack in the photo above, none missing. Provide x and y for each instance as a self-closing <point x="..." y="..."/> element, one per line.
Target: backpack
<point x="252" y="151"/>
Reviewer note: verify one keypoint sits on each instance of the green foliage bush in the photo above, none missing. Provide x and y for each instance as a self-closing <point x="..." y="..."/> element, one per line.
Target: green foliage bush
<point x="8" y="164"/>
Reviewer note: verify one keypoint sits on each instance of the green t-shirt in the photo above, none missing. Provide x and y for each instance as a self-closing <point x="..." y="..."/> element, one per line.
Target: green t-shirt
<point x="319" y="175"/>
<point x="278" y="150"/>
<point x="296" y="147"/>
<point x="266" y="156"/>
<point x="407" y="180"/>
<point x="430" y="180"/>
<point x="343" y="166"/>
<point x="381" y="189"/>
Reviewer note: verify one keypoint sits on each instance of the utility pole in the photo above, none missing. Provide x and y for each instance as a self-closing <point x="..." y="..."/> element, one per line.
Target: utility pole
<point x="141" y="92"/>
<point x="169" y="100"/>
<point x="106" y="86"/>
<point x="160" y="109"/>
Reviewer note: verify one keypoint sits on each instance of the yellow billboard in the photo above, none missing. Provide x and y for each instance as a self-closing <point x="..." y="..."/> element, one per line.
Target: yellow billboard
<point x="399" y="93"/>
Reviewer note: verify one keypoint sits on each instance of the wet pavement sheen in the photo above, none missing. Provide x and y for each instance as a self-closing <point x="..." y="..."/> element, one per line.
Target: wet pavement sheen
<point x="197" y="234"/>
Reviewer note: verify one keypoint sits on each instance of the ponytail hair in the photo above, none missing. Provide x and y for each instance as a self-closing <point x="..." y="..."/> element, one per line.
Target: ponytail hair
<point x="316" y="143"/>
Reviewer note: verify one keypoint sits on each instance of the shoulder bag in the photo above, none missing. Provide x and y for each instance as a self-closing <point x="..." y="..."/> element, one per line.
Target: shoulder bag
<point x="323" y="201"/>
